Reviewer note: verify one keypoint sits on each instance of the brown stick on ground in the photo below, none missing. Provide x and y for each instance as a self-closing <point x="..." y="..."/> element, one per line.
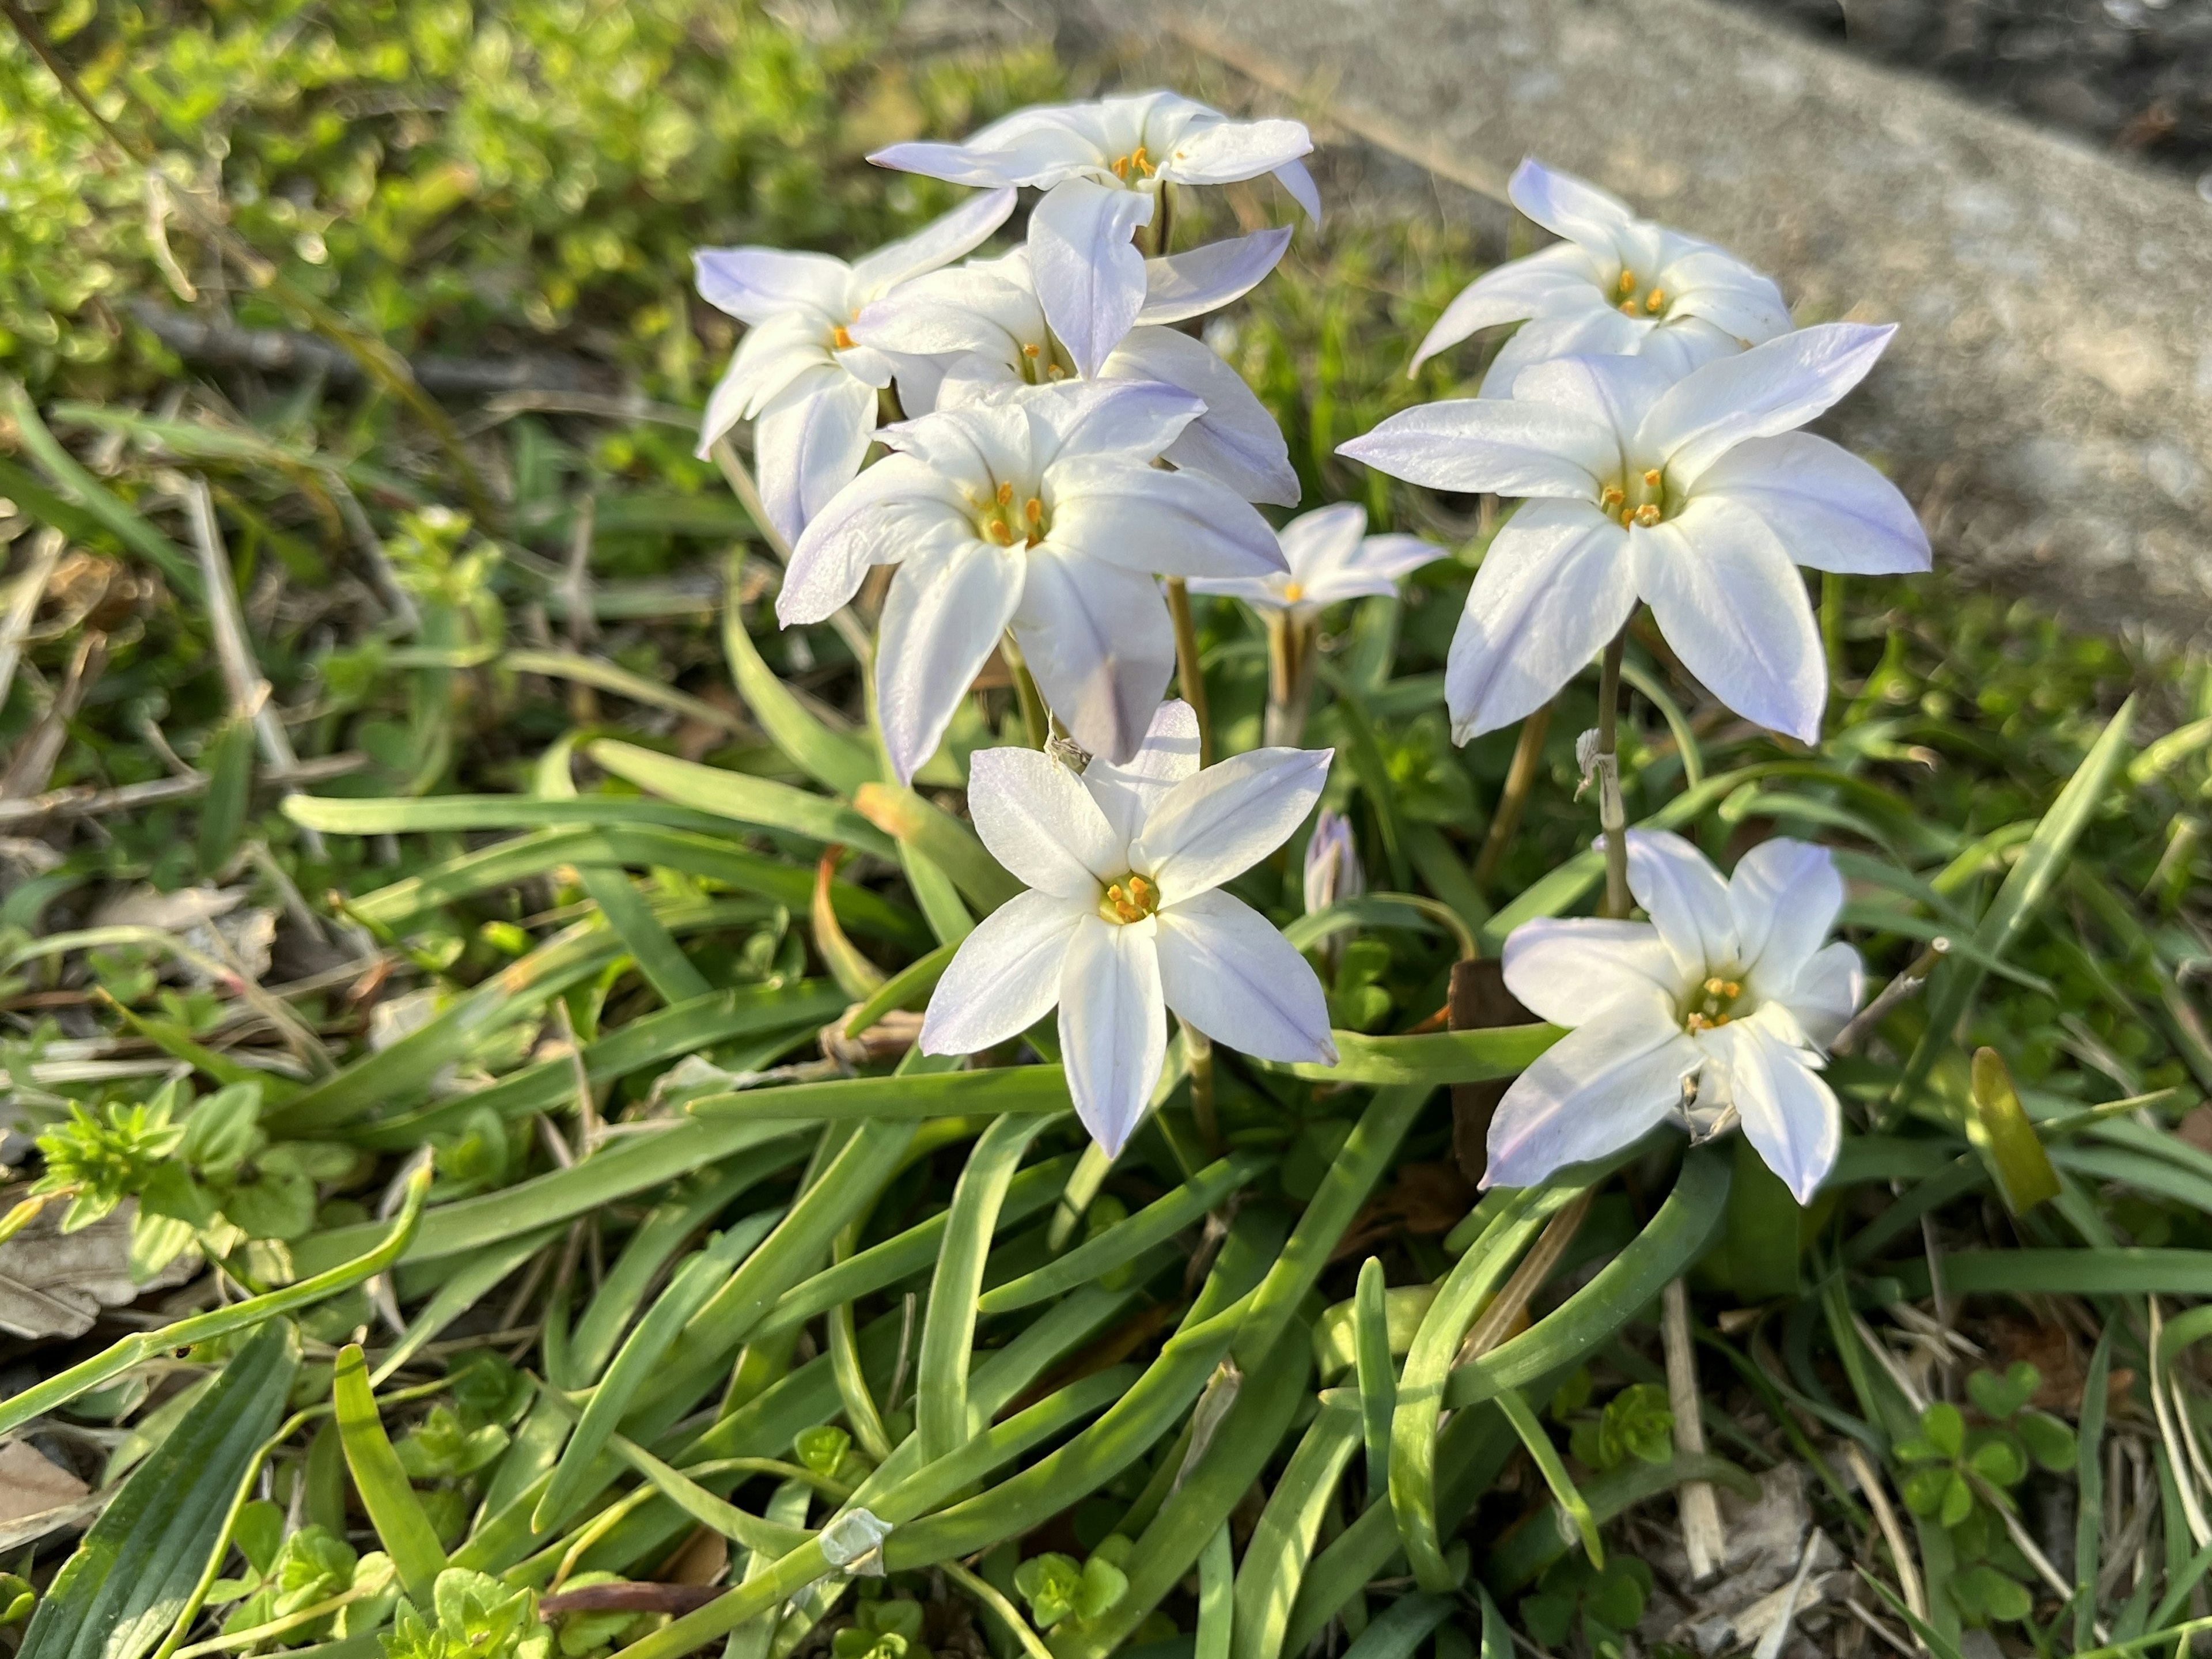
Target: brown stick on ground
<point x="632" y="1598"/>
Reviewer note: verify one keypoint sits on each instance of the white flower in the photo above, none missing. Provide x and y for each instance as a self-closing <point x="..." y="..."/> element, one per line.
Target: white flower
<point x="1617" y="285"/>
<point x="1331" y="557"/>
<point x="1728" y="985"/>
<point x="1694" y="495"/>
<point x="983" y="323"/>
<point x="1036" y="508"/>
<point x="1333" y="870"/>
<point x="797" y="373"/>
<point x="1124" y="919"/>
<point x="1101" y="166"/>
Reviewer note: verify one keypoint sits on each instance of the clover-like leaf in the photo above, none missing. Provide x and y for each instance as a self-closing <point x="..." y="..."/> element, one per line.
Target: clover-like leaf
<point x="1050" y="1583"/>
<point x="1999" y="1397"/>
<point x="1997" y="1458"/>
<point x="1944" y="1427"/>
<point x="1958" y="1499"/>
<point x="1985" y="1597"/>
<point x="2049" y="1441"/>
<point x="1638" y="1423"/>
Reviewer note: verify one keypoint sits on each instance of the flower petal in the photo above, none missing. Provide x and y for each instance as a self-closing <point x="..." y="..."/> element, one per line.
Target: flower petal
<point x="809" y="445"/>
<point x="1568" y="206"/>
<point x="956" y="164"/>
<point x="1714" y="285"/>
<point x="1613" y="391"/>
<point x="1570" y="970"/>
<point x="1221" y="152"/>
<point x="1827" y="507"/>
<point x="1785" y="896"/>
<point x="1128" y="791"/>
<point x="1004" y="978"/>
<point x="1043" y="824"/>
<point x="1724" y="594"/>
<point x="1827" y="993"/>
<point x="1592" y="330"/>
<point x="1294" y="178"/>
<point x="899" y="506"/>
<point x="1225" y="969"/>
<point x="987" y="306"/>
<point x="1598" y="1089"/>
<point x="754" y="283"/>
<point x="1183" y="285"/>
<point x="1376" y="570"/>
<point x="938" y="243"/>
<point x="1768" y="389"/>
<point x="1098" y="641"/>
<point x="1130" y="422"/>
<point x="1220" y="821"/>
<point x="1475" y="444"/>
<point x="1554" y="587"/>
<point x="1137" y="517"/>
<point x="1559" y="277"/>
<point x="1089" y="276"/>
<point x="1113" y="1025"/>
<point x="1788" y="1112"/>
<point x="941" y="621"/>
<point x="1686" y="901"/>
<point x="1235" y="440"/>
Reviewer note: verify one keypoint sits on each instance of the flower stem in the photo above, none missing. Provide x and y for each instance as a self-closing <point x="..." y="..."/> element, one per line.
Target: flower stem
<point x="1200" y="1048"/>
<point x="740" y="480"/>
<point x="1612" y="816"/>
<point x="1035" y="723"/>
<point x="1190" y="680"/>
<point x="1164" y="220"/>
<point x="1520" y="778"/>
<point x="1290" y="678"/>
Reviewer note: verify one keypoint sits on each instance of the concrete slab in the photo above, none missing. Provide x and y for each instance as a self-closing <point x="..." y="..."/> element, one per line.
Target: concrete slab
<point x="2049" y="402"/>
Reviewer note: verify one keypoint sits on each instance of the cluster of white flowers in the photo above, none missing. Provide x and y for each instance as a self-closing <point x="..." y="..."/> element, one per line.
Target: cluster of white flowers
<point x="1052" y="447"/>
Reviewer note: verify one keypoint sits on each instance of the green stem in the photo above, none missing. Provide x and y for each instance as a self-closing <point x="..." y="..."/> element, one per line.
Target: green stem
<point x="1190" y="679"/>
<point x="1513" y="799"/>
<point x="1035" y="723"/>
<point x="1200" y="1048"/>
<point x="1613" y="816"/>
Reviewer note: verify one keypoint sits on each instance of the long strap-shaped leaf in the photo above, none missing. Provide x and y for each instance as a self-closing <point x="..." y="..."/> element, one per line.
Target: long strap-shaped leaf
<point x="119" y="1595"/>
<point x="949" y="1328"/>
<point x="1275" y="1560"/>
<point x="393" y="1509"/>
<point x="738" y="796"/>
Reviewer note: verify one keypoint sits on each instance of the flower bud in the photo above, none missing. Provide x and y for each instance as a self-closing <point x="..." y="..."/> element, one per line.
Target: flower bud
<point x="1333" y="870"/>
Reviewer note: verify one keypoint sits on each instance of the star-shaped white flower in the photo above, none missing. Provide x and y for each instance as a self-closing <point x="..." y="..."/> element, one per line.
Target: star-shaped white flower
<point x="1331" y="557"/>
<point x="983" y="323"/>
<point x="1691" y="493"/>
<point x="1616" y="285"/>
<point x="799" y="374"/>
<point x="1100" y="166"/>
<point x="1036" y="508"/>
<point x="1727" y="986"/>
<point x="1124" y="919"/>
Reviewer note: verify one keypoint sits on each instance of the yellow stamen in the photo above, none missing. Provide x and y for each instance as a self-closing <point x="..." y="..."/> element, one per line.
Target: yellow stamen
<point x="842" y="338"/>
<point x="1006" y="495"/>
<point x="1295" y="592"/>
<point x="1628" y="308"/>
<point x="1628" y="281"/>
<point x="1656" y="301"/>
<point x="1029" y="351"/>
<point x="1131" y="899"/>
<point x="1033" y="510"/>
<point x="1611" y="496"/>
<point x="1056" y="373"/>
<point x="1142" y="165"/>
<point x="1122" y="168"/>
<point x="1647" y="515"/>
<point x="1652" y="477"/>
<point x="1627" y="514"/>
<point x="1716" y="986"/>
<point x="997" y="531"/>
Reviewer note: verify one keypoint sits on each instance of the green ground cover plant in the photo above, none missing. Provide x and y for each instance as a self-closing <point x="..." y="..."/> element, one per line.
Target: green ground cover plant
<point x="468" y="961"/>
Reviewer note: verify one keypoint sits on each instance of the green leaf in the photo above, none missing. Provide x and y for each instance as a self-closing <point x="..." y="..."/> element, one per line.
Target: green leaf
<point x="1925" y="1488"/>
<point x="741" y="797"/>
<point x="1999" y="1461"/>
<point x="1050" y="1583"/>
<point x="1430" y="1059"/>
<point x="1999" y="1397"/>
<point x="1958" y="1500"/>
<point x="393" y="1509"/>
<point x="944" y="839"/>
<point x="1986" y="1596"/>
<point x="1638" y="1423"/>
<point x="258" y="1532"/>
<point x="834" y="760"/>
<point x="1944" y="1428"/>
<point x="142" y="1561"/>
<point x="2000" y="1131"/>
<point x="227" y="760"/>
<point x="223" y="1130"/>
<point x="2049" y="1442"/>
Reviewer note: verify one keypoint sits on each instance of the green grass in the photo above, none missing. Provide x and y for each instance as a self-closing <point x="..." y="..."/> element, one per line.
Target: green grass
<point x="673" y="1278"/>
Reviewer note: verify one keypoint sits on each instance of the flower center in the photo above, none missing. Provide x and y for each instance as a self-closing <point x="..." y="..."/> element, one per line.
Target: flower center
<point x="1136" y="165"/>
<point x="1636" y="498"/>
<point x="1039" y="365"/>
<point x="1003" y="523"/>
<point x="1636" y="300"/>
<point x="1130" y="899"/>
<point x="1713" y="1004"/>
<point x="842" y="338"/>
<point x="1293" y="591"/>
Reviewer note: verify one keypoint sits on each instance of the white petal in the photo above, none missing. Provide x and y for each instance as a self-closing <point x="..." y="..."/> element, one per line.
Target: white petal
<point x="1785" y="896"/>
<point x="1322" y="542"/>
<point x="1681" y="344"/>
<point x="938" y="243"/>
<point x="1724" y="594"/>
<point x="1128" y="793"/>
<point x="1827" y="507"/>
<point x="1223" y="152"/>
<point x="1828" y="992"/>
<point x="1004" y="978"/>
<point x="1235" y="440"/>
<point x="898" y="507"/>
<point x="1686" y="901"/>
<point x="1190" y="284"/>
<point x="1043" y="824"/>
<point x="1219" y="822"/>
<point x="754" y="284"/>
<point x="772" y="359"/>
<point x="1567" y="206"/>
<point x="809" y="445"/>
<point x="1098" y="641"/>
<point x="1570" y="970"/>
<point x="1176" y="523"/>
<point x="1596" y="1089"/>
<point x="1294" y="178"/>
<point x="1089" y="274"/>
<point x="941" y="621"/>
<point x="1131" y="421"/>
<point x="1592" y="329"/>
<point x="1768" y="389"/>
<point x="956" y="164"/>
<point x="1375" y="569"/>
<point x="1710" y="283"/>
<point x="1613" y="392"/>
<point x="1225" y="969"/>
<point x="1563" y="277"/>
<point x="1113" y="1027"/>
<point x="1258" y="591"/>
<point x="1471" y="444"/>
<point x="1788" y="1112"/>
<point x="980" y="306"/>
<point x="1552" y="590"/>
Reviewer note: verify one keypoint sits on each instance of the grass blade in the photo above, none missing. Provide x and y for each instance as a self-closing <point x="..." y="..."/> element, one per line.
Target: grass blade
<point x="393" y="1509"/>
